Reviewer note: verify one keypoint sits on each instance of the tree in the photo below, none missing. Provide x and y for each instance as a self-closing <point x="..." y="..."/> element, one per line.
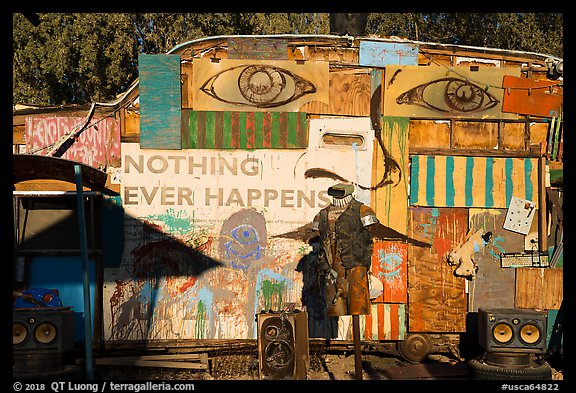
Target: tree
<point x="82" y="58"/>
<point x="73" y="58"/>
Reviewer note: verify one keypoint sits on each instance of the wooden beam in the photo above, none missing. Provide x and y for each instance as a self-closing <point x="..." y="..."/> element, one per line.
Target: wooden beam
<point x="193" y="361"/>
<point x="542" y="211"/>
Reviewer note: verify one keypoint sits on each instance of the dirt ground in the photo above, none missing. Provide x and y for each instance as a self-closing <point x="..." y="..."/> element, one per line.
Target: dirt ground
<point x="334" y="366"/>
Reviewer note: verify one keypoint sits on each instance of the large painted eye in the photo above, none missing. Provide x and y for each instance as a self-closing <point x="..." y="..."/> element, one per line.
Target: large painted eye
<point x="261" y="86"/>
<point x="452" y="95"/>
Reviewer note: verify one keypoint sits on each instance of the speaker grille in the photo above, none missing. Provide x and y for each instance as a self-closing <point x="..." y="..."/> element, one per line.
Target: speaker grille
<point x="19" y="333"/>
<point x="45" y="333"/>
<point x="529" y="334"/>
<point x="502" y="333"/>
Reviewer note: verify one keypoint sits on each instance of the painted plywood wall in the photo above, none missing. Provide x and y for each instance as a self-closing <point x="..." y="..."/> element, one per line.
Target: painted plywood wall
<point x="205" y="233"/>
<point x="391" y="173"/>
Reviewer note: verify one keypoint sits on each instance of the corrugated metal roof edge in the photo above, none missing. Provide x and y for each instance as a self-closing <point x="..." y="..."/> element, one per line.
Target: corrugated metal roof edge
<point x="330" y="39"/>
<point x="344" y="39"/>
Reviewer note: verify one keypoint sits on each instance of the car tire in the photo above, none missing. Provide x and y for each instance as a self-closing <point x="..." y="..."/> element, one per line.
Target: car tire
<point x="477" y="369"/>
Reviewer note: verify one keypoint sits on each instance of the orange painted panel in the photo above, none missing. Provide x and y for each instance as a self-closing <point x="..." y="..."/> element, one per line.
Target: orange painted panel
<point x="437" y="301"/>
<point x="389" y="261"/>
<point x="537" y="101"/>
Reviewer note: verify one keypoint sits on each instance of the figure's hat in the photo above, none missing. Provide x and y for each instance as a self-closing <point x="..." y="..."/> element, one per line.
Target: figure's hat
<point x="341" y="190"/>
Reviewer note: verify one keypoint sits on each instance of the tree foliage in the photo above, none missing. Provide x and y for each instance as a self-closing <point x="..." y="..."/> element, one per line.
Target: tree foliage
<point x="92" y="57"/>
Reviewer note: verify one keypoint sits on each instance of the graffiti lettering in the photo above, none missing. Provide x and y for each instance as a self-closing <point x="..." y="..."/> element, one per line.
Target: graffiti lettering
<point x="495" y="242"/>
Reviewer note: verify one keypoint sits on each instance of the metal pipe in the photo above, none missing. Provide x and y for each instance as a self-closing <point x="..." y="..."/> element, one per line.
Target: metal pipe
<point x="357" y="348"/>
<point x="542" y="211"/>
<point x="86" y="272"/>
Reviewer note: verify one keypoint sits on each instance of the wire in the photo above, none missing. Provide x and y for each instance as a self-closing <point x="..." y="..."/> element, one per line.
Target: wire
<point x="488" y="85"/>
<point x="90" y="124"/>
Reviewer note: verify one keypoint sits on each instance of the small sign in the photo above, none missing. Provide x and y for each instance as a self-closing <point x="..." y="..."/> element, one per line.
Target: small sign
<point x="382" y="54"/>
<point x="520" y="215"/>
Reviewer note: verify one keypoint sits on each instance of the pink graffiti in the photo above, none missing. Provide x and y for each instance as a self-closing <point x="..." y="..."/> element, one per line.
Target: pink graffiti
<point x="97" y="146"/>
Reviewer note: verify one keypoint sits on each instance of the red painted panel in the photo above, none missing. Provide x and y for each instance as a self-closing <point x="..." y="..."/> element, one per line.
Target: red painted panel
<point x="385" y="322"/>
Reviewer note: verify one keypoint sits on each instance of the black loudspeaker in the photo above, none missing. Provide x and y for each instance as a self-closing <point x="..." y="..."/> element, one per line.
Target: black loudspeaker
<point x="283" y="345"/>
<point x="41" y="339"/>
<point x="512" y="330"/>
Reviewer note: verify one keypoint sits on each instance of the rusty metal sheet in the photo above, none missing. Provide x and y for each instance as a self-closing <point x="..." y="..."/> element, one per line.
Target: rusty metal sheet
<point x="493" y="286"/>
<point x="531" y="97"/>
<point x="437" y="301"/>
<point x="257" y="49"/>
<point x="34" y="167"/>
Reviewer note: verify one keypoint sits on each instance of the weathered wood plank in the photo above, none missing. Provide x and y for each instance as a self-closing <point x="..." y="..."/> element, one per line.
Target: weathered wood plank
<point x="390" y="171"/>
<point x="386" y="321"/>
<point x="429" y="134"/>
<point x="539" y="288"/>
<point x="349" y="95"/>
<point x="244" y="130"/>
<point x="149" y="363"/>
<point x="160" y="101"/>
<point x="259" y="49"/>
<point x="432" y="92"/>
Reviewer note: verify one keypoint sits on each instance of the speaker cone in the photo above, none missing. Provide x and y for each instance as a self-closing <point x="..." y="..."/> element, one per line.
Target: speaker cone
<point x="529" y="334"/>
<point x="271" y="333"/>
<point x="19" y="333"/>
<point x="45" y="333"/>
<point x="279" y="355"/>
<point x="502" y="333"/>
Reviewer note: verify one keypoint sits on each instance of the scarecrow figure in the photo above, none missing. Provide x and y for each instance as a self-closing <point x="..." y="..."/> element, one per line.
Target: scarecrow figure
<point x="346" y="251"/>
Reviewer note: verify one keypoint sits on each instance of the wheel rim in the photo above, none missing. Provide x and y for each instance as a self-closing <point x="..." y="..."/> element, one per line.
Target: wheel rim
<point x="415" y="347"/>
